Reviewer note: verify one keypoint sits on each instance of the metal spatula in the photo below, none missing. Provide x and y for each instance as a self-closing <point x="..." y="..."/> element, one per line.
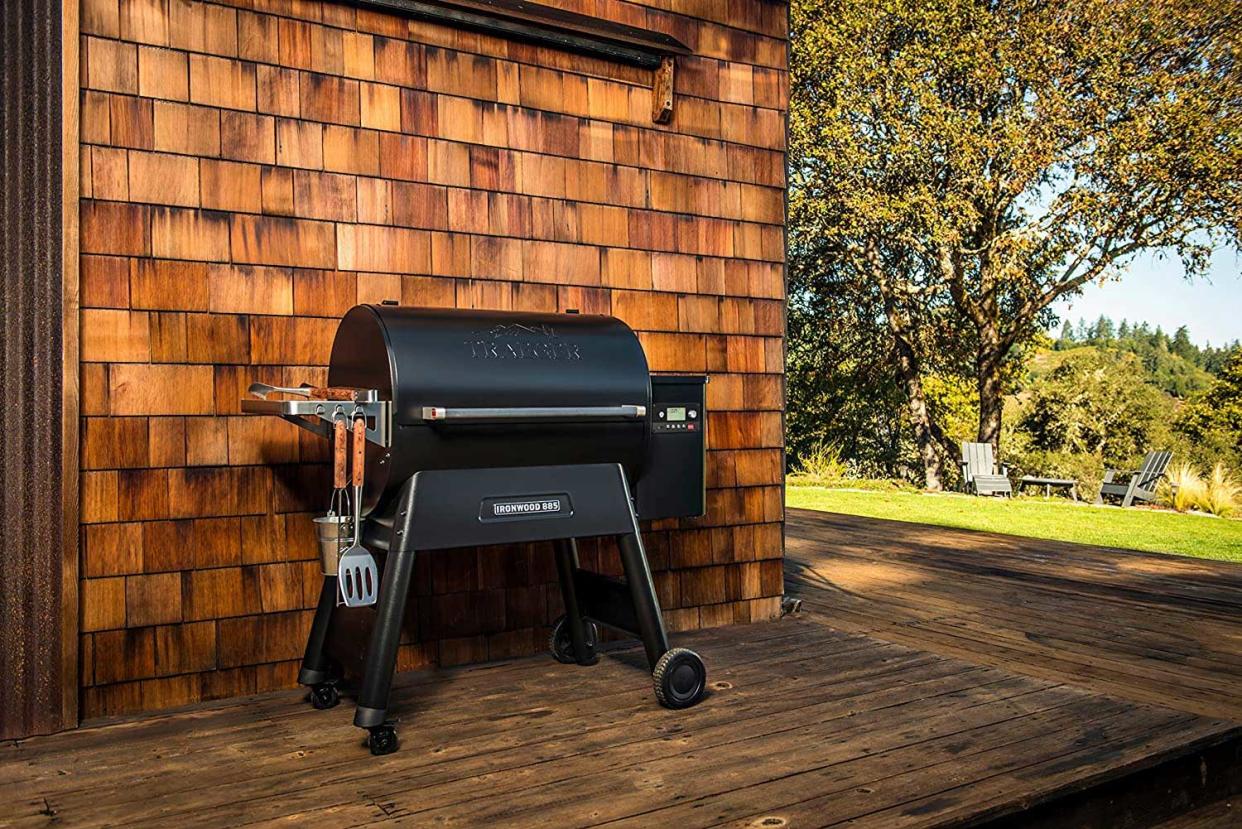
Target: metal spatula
<point x="357" y="576"/>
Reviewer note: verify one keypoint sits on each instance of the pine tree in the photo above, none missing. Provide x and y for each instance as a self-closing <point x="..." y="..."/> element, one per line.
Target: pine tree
<point x="1102" y="333"/>
<point x="1066" y="340"/>
<point x="1183" y="347"/>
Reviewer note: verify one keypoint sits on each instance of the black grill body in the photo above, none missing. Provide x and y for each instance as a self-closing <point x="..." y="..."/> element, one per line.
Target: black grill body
<point x="492" y="427"/>
<point x="456" y="359"/>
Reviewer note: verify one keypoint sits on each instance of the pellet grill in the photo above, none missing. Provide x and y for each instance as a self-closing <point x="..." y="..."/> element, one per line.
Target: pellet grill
<point x="487" y="427"/>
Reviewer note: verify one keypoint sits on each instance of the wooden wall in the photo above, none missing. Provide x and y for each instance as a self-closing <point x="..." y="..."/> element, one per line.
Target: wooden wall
<point x="253" y="168"/>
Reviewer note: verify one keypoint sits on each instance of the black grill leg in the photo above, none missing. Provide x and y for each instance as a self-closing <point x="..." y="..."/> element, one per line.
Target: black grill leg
<point x="315" y="665"/>
<point x="642" y="592"/>
<point x="566" y="566"/>
<point x="382" y="653"/>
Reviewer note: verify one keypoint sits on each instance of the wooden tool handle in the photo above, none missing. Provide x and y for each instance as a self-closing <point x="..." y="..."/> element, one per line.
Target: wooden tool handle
<point x="360" y="448"/>
<point x="331" y="393"/>
<point x="340" y="454"/>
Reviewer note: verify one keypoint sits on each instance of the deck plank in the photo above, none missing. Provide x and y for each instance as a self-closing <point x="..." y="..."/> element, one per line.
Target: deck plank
<point x="934" y="676"/>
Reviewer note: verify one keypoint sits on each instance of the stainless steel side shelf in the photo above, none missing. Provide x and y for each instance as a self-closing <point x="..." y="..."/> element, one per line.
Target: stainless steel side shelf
<point x="318" y="415"/>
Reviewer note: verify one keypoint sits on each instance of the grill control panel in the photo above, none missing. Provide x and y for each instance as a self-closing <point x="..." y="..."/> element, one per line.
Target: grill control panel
<point x="683" y="417"/>
<point x="674" y="478"/>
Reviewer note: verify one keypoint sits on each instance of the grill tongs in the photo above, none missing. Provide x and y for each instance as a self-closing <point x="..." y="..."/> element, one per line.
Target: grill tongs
<point x="321" y="406"/>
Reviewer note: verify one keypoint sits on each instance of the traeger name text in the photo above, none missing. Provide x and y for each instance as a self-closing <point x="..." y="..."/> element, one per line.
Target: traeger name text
<point x="523" y="350"/>
<point x="521" y="342"/>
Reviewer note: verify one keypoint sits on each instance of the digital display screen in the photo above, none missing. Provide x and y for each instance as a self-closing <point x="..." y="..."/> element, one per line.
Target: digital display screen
<point x="676" y="413"/>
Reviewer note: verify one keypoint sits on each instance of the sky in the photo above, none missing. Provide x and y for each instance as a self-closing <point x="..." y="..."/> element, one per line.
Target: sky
<point x="1155" y="291"/>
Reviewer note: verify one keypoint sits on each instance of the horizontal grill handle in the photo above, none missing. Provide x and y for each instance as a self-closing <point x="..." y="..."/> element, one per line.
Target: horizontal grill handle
<point x="439" y="414"/>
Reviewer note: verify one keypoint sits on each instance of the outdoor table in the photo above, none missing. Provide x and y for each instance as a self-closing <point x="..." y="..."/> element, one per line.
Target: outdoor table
<point x="1050" y="483"/>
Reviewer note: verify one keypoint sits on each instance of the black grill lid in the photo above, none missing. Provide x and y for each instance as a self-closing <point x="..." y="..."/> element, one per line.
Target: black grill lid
<point x="424" y="357"/>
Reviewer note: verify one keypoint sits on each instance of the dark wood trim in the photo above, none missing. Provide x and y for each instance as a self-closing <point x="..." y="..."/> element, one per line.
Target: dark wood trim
<point x="70" y="618"/>
<point x="38" y="370"/>
<point x="544" y="25"/>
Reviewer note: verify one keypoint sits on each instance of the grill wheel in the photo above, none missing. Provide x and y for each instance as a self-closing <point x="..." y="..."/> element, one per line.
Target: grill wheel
<point x="563" y="649"/>
<point x="382" y="740"/>
<point x="324" y="696"/>
<point x="680" y="678"/>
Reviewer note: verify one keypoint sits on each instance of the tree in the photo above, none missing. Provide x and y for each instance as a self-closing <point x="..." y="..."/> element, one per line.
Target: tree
<point x="1066" y="340"/>
<point x="1102" y="333"/>
<point x="1213" y="420"/>
<point x="1096" y="402"/>
<point x="1182" y="346"/>
<point x="974" y="162"/>
<point x="840" y="391"/>
<point x="847" y="334"/>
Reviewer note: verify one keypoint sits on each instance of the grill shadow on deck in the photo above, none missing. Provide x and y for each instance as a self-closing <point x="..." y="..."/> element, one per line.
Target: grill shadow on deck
<point x="914" y="690"/>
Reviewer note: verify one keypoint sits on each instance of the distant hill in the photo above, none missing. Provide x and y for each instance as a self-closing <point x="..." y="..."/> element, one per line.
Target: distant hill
<point x="1175" y="365"/>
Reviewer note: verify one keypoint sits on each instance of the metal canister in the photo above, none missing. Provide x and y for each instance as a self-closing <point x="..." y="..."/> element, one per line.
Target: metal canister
<point x="335" y="532"/>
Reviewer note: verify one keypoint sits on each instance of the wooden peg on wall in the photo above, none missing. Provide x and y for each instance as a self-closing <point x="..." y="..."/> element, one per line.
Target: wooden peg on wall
<point x="662" y="92"/>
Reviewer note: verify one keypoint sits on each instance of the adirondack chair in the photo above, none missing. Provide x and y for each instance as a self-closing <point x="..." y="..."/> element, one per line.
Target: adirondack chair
<point x="1136" y="485"/>
<point x="979" y="472"/>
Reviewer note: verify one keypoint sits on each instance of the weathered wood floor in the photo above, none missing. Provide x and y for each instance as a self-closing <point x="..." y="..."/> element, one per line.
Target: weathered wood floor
<point x="933" y="678"/>
<point x="1152" y="628"/>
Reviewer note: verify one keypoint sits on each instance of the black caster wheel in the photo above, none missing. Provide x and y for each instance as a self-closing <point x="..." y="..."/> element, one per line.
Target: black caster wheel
<point x="382" y="740"/>
<point x="324" y="696"/>
<point x="680" y="678"/>
<point x="563" y="648"/>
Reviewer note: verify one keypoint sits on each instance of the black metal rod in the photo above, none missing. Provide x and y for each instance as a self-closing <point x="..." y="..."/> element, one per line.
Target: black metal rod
<point x="566" y="568"/>
<point x="642" y="591"/>
<point x="372" y="707"/>
<point x="315" y="664"/>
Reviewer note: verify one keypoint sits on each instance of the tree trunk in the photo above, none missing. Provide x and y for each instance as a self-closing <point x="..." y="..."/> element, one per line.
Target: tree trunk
<point x="920" y="418"/>
<point x="991" y="392"/>
<point x="991" y="409"/>
<point x="910" y="372"/>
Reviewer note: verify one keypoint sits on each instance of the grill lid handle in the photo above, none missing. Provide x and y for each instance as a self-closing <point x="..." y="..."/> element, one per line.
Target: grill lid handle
<point x="440" y="414"/>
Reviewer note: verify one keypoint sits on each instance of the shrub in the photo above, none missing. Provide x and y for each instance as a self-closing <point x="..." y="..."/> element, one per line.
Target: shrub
<point x="1186" y="487"/>
<point x="1222" y="493"/>
<point x="822" y="465"/>
<point x="823" y="461"/>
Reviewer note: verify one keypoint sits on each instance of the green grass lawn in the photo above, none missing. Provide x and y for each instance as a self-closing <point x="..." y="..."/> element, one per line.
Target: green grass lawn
<point x="1037" y="517"/>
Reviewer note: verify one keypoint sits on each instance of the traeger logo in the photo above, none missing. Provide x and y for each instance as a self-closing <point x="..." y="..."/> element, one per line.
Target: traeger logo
<point x="521" y="342"/>
<point x="524" y="507"/>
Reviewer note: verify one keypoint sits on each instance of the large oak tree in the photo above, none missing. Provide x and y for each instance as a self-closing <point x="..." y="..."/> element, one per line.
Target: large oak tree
<point x="964" y="164"/>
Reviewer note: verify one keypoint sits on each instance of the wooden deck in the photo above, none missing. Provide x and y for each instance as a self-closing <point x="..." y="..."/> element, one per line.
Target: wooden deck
<point x="933" y="678"/>
<point x="1151" y="628"/>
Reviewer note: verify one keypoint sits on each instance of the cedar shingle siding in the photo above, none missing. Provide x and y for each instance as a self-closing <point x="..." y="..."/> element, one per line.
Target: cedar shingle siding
<point x="253" y="168"/>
